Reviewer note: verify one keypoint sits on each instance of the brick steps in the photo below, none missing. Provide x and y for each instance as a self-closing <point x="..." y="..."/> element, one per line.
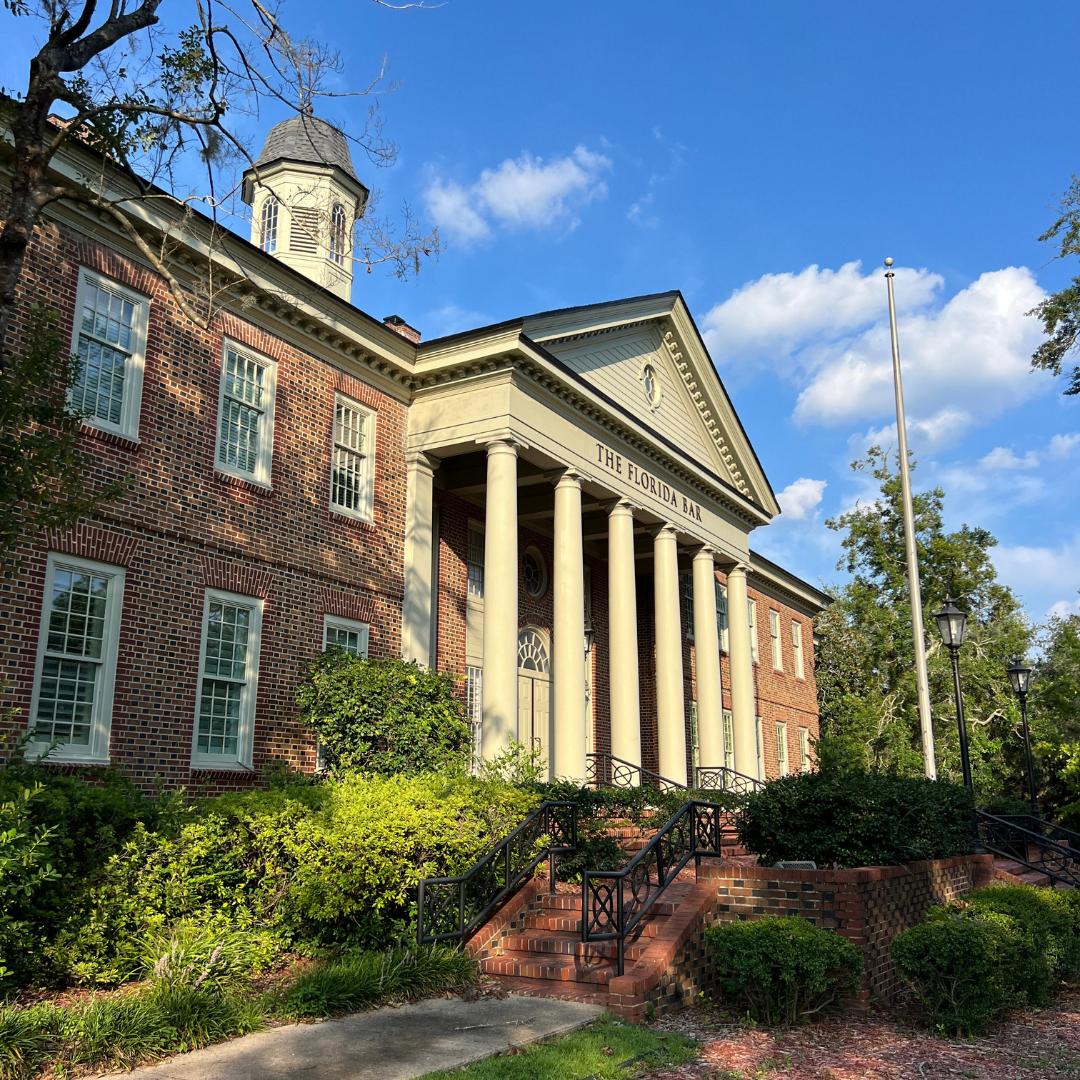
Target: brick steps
<point x="1021" y="873"/>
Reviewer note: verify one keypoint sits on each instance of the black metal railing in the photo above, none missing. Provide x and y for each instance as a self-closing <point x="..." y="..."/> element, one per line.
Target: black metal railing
<point x="721" y="778"/>
<point x="1057" y="833"/>
<point x="452" y="908"/>
<point x="606" y="770"/>
<point x="614" y="902"/>
<point x="1032" y="847"/>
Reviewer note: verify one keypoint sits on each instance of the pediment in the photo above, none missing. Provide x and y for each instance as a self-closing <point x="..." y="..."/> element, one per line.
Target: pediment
<point x="610" y="348"/>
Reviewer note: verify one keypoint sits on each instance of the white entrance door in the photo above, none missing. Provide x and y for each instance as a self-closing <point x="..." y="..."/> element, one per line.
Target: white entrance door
<point x="534" y="692"/>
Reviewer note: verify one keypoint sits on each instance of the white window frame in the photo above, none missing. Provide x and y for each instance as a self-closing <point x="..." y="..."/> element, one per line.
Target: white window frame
<point x="474" y="709"/>
<point x="686" y="595"/>
<point x="695" y="742"/>
<point x="805" y="760"/>
<point x="729" y="738"/>
<point x="775" y="643"/>
<point x="128" y="428"/>
<point x="722" y="617"/>
<point x="264" y="462"/>
<point x="781" y="748"/>
<point x="97" y="752"/>
<point x="796" y="648"/>
<point x="759" y="725"/>
<point x="478" y="596"/>
<point x="751" y="614"/>
<point x="355" y="625"/>
<point x="245" y="741"/>
<point x="366" y="511"/>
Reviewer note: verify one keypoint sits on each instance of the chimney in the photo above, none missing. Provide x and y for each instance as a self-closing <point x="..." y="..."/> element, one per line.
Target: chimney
<point x="400" y="326"/>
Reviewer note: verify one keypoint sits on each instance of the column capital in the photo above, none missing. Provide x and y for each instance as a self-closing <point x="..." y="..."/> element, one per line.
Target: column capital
<point x="422" y="459"/>
<point x="705" y="551"/>
<point x="668" y="527"/>
<point x="622" y="506"/>
<point x="566" y="478"/>
<point x="503" y="444"/>
<point x="739" y="568"/>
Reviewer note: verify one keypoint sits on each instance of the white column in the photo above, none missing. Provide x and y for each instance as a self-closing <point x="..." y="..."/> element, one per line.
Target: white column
<point x="743" y="721"/>
<point x="500" y="599"/>
<point x="568" y="753"/>
<point x="710" y="710"/>
<point x="416" y="608"/>
<point x="670" y="708"/>
<point x="623" y="635"/>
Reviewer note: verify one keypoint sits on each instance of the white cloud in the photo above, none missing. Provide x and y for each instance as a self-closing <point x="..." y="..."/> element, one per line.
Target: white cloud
<point x="523" y="192"/>
<point x="1001" y="457"/>
<point x="1061" y="446"/>
<point x="450" y="319"/>
<point x="1064" y="608"/>
<point x="964" y="361"/>
<point x="800" y="498"/>
<point x="1041" y="571"/>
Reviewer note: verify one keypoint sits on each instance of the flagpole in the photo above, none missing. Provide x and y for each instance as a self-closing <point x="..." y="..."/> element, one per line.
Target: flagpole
<point x="921" y="681"/>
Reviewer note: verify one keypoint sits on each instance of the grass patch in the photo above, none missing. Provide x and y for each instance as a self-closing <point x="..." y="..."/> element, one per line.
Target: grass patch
<point x="596" y="1051"/>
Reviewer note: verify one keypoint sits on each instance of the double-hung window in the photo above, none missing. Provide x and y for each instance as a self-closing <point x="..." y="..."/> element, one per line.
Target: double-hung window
<point x="774" y="640"/>
<point x="751" y="611"/>
<point x="246" y="415"/>
<point x="760" y="727"/>
<point x="71" y="709"/>
<point x="352" y="479"/>
<point x="228" y="679"/>
<point x="347" y="634"/>
<point x="796" y="648"/>
<point x="686" y="594"/>
<point x="729" y="741"/>
<point x="781" y="749"/>
<point x="722" y="617"/>
<point x="110" y="342"/>
<point x="474" y="708"/>
<point x="475" y="560"/>
<point x="804" y="749"/>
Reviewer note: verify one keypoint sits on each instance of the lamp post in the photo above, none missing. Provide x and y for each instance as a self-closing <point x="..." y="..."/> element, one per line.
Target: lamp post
<point x="951" y="622"/>
<point x="1020" y="677"/>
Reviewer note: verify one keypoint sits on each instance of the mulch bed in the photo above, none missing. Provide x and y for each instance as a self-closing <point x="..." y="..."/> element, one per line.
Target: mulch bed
<point x="1026" y="1044"/>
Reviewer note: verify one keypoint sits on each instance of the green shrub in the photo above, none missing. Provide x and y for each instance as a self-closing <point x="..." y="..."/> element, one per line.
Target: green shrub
<point x="1050" y="916"/>
<point x="856" y="819"/>
<point x="26" y="1037"/>
<point x="967" y="964"/>
<point x="783" y="969"/>
<point x="363" y="980"/>
<point x="202" y="957"/>
<point x="383" y="716"/>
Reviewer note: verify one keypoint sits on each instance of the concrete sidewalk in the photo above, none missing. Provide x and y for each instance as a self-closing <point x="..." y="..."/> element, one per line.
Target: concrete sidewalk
<point x="385" y="1044"/>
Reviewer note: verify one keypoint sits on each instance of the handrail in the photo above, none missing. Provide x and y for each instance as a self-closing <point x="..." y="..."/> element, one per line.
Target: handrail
<point x="613" y="902"/>
<point x="705" y="777"/>
<point x="1048" y="829"/>
<point x="1004" y="837"/>
<point x="453" y="907"/>
<point x="606" y="770"/>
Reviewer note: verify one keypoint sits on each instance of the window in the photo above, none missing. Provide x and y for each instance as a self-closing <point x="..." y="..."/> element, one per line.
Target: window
<point x="781" y="749"/>
<point x="348" y="634"/>
<point x="760" y="748"/>
<point x="474" y="707"/>
<point x="76" y="664"/>
<point x="268" y="225"/>
<point x="352" y="479"/>
<point x="729" y="741"/>
<point x="721" y="616"/>
<point x="695" y="743"/>
<point x="686" y="595"/>
<point x="650" y="385"/>
<point x="534" y="572"/>
<point x="588" y="598"/>
<point x="774" y="640"/>
<point x="110" y="341"/>
<point x="751" y="609"/>
<point x="804" y="749"/>
<point x="337" y="234"/>
<point x="475" y="559"/>
<point x="246" y="410"/>
<point x="228" y="675"/>
<point x="796" y="647"/>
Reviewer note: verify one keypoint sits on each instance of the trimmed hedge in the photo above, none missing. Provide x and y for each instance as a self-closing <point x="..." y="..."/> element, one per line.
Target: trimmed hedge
<point x="848" y="819"/>
<point x="783" y="969"/>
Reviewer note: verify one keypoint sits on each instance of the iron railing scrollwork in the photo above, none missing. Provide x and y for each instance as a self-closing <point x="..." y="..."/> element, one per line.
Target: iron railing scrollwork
<point x="1034" y="846"/>
<point x="452" y="908"/>
<point x="614" y="902"/>
<point x="606" y="770"/>
<point x="721" y="778"/>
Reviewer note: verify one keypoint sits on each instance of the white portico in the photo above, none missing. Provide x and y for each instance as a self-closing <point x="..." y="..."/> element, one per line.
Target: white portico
<point x="606" y="430"/>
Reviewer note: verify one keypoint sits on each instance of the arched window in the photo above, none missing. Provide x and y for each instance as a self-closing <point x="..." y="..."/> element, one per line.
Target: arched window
<point x="337" y="233"/>
<point x="532" y="652"/>
<point x="269" y="225"/>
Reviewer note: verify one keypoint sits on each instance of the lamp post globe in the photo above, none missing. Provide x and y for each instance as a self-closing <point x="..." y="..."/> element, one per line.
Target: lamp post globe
<point x="1020" y="677"/>
<point x="952" y="624"/>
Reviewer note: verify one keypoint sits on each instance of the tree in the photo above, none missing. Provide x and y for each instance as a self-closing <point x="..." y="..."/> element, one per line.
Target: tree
<point x="866" y="678"/>
<point x="151" y="103"/>
<point x="1055" y="713"/>
<point x="45" y="477"/>
<point x="1060" y="313"/>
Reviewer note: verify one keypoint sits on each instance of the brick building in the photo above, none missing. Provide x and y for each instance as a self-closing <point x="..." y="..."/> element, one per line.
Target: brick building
<point x="555" y="509"/>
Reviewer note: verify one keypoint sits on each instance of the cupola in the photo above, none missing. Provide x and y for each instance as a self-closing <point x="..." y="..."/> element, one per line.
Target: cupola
<point x="305" y="200"/>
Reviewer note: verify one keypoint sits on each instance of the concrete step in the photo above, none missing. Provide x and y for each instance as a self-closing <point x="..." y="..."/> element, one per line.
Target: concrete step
<point x="530" y="965"/>
<point x="589" y="993"/>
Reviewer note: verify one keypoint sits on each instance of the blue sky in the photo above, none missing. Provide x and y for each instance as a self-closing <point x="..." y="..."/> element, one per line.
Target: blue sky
<point x="763" y="158"/>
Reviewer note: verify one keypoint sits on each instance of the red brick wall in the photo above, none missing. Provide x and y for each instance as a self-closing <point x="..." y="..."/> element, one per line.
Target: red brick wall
<point x="181" y="527"/>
